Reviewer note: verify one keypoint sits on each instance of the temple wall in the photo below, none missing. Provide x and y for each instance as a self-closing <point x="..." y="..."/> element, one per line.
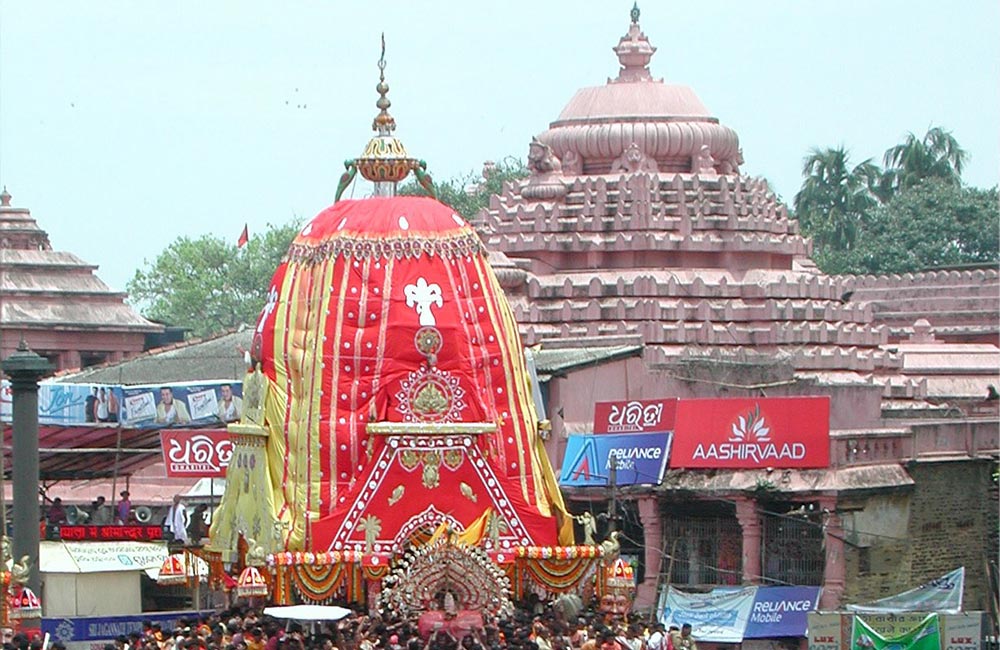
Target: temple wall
<point x="897" y="541"/>
<point x="948" y="525"/>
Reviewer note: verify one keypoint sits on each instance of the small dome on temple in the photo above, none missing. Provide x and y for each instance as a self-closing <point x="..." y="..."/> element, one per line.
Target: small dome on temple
<point x="666" y="124"/>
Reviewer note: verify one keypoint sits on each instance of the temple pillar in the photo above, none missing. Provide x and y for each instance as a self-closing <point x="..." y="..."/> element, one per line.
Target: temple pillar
<point x="835" y="569"/>
<point x="25" y="368"/>
<point x="749" y="519"/>
<point x="69" y="359"/>
<point x="652" y="537"/>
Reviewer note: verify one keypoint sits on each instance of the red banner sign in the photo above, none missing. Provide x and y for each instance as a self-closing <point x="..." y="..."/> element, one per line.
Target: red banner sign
<point x="635" y="416"/>
<point x="202" y="453"/>
<point x="779" y="432"/>
<point x="111" y="533"/>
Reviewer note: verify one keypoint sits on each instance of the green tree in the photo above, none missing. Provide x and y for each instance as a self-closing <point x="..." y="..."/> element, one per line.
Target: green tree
<point x="471" y="193"/>
<point x="208" y="285"/>
<point x="835" y="197"/>
<point x="936" y="223"/>
<point x="937" y="155"/>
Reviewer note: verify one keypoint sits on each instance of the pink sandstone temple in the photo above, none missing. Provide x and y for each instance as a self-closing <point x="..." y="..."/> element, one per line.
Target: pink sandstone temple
<point x="643" y="265"/>
<point x="56" y="303"/>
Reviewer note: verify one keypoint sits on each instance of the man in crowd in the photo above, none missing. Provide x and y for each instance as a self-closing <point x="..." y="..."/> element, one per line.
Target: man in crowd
<point x="683" y="640"/>
<point x="100" y="514"/>
<point x="176" y="520"/>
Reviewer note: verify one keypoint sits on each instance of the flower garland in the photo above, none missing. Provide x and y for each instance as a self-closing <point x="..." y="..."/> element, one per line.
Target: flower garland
<point x="558" y="552"/>
<point x="320" y="583"/>
<point x="555" y="575"/>
<point x="299" y="558"/>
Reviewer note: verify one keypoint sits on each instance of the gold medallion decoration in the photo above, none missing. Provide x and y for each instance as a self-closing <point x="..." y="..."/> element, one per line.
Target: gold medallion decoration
<point x="452" y="458"/>
<point x="409" y="458"/>
<point x="432" y="467"/>
<point x="428" y="342"/>
<point x="430" y="395"/>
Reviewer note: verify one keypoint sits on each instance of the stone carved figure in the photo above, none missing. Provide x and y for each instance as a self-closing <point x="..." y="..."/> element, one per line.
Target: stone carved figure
<point x="589" y="527"/>
<point x="732" y="165"/>
<point x="634" y="160"/>
<point x="256" y="553"/>
<point x="572" y="163"/>
<point x="541" y="158"/>
<point x="20" y="572"/>
<point x="702" y="162"/>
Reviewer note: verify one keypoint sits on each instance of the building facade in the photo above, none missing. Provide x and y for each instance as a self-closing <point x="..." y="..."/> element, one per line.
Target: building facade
<point x="638" y="248"/>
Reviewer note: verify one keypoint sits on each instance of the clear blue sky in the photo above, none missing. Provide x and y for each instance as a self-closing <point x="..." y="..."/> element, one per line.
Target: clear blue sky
<point x="126" y="124"/>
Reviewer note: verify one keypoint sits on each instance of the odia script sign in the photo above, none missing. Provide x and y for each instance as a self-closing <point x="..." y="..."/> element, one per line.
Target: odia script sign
<point x="635" y="416"/>
<point x="196" y="454"/>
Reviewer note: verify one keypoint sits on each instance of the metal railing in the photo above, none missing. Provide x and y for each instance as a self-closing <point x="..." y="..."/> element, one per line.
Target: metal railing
<point x="703" y="550"/>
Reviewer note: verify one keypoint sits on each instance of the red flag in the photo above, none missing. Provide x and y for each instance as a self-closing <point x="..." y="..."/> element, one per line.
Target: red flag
<point x="244" y="237"/>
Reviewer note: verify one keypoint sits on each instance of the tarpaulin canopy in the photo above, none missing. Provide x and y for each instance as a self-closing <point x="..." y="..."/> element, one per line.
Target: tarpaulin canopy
<point x="943" y="595"/>
<point x="308" y="612"/>
<point x="88" y="452"/>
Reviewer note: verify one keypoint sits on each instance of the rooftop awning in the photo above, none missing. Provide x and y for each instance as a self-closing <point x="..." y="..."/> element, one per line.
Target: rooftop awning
<point x="843" y="479"/>
<point x="88" y="452"/>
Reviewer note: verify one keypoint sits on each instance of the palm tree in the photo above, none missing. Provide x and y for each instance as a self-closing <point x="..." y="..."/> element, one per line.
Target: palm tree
<point x="937" y="155"/>
<point x="834" y="198"/>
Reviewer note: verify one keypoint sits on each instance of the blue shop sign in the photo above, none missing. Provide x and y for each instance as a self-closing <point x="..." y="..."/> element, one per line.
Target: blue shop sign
<point x="637" y="458"/>
<point x="781" y="611"/>
<point x="107" y="628"/>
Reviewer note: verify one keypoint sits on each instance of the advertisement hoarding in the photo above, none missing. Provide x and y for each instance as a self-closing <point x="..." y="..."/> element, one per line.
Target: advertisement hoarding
<point x="776" y="432"/>
<point x="197" y="453"/>
<point x="635" y="416"/>
<point x="637" y="459"/>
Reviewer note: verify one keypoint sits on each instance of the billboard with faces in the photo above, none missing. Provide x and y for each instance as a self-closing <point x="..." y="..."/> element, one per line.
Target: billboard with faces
<point x="138" y="406"/>
<point x="181" y="405"/>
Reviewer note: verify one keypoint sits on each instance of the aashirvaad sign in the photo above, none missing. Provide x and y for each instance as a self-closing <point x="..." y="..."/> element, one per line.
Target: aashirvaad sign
<point x="747" y="433"/>
<point x="196" y="453"/>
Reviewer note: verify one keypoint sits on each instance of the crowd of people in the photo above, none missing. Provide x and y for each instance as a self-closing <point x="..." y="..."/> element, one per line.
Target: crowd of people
<point x="247" y="629"/>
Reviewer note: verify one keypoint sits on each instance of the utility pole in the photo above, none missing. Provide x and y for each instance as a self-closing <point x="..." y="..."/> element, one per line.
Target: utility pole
<point x="613" y="505"/>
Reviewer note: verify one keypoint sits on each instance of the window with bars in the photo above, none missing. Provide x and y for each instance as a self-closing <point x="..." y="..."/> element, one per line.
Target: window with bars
<point x="792" y="545"/>
<point x="703" y="549"/>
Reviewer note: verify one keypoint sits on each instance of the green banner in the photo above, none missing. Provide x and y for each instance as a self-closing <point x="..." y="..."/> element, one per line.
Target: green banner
<point x="925" y="636"/>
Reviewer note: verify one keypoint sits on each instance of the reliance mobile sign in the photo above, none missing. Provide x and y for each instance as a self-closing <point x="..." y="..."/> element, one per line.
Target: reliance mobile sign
<point x="637" y="458"/>
<point x="778" y="432"/>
